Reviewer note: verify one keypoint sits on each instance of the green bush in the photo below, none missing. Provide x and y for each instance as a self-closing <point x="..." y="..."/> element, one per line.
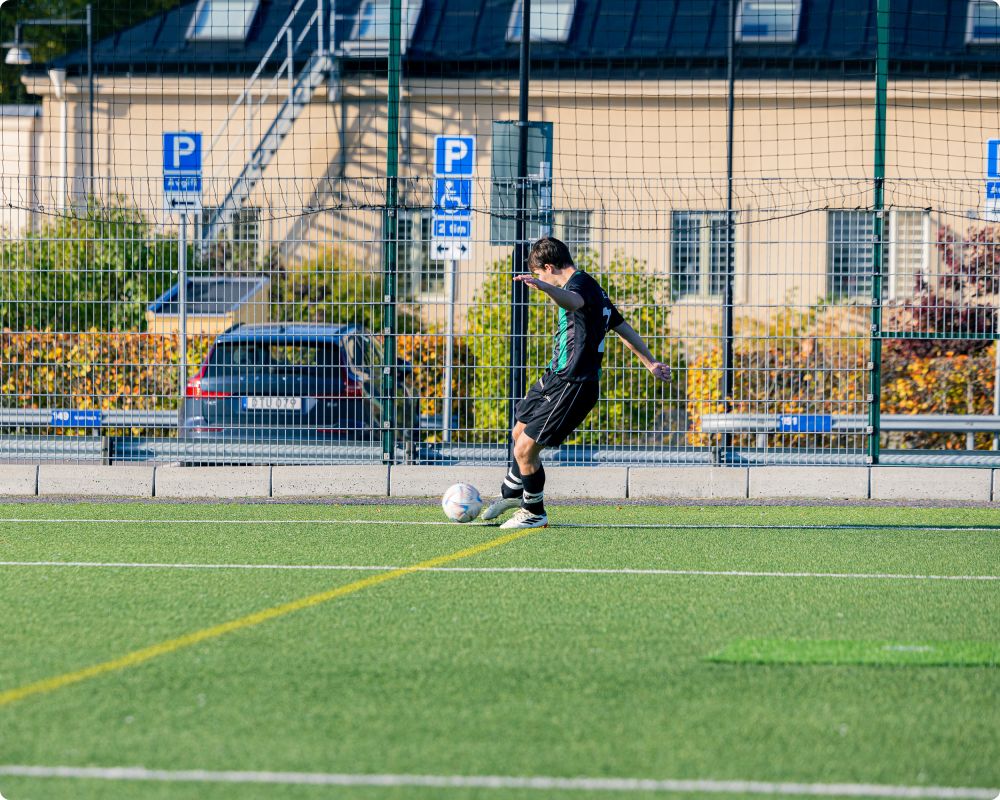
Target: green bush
<point x="98" y="271"/>
<point x="331" y="288"/>
<point x="633" y="405"/>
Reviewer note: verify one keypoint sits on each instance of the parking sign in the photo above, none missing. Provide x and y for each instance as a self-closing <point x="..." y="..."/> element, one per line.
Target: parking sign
<point x="454" y="156"/>
<point x="182" y="171"/>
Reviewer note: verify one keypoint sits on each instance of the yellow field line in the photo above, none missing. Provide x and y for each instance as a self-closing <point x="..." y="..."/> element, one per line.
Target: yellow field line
<point x="172" y="645"/>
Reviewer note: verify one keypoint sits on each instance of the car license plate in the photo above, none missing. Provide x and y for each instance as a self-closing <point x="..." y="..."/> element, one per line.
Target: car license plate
<point x="272" y="403"/>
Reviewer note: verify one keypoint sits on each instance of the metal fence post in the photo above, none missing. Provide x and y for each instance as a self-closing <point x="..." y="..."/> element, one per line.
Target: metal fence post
<point x="390" y="228"/>
<point x="727" y="298"/>
<point x="519" y="292"/>
<point x="878" y="209"/>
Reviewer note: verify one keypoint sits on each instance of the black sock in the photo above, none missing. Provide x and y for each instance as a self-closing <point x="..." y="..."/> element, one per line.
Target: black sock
<point x="512" y="485"/>
<point x="534" y="485"/>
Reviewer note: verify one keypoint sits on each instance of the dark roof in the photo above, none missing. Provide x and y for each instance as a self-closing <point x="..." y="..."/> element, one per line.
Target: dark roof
<point x="209" y="296"/>
<point x="632" y="37"/>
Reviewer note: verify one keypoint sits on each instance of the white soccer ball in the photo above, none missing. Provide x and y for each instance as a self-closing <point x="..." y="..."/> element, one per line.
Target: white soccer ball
<point x="462" y="503"/>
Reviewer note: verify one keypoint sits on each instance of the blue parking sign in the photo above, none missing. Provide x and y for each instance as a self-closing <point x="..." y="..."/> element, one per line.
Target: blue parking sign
<point x="993" y="158"/>
<point x="454" y="156"/>
<point x="181" y="152"/>
<point x="453" y="195"/>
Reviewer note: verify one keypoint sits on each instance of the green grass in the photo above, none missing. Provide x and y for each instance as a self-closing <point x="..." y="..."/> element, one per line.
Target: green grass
<point x="495" y="673"/>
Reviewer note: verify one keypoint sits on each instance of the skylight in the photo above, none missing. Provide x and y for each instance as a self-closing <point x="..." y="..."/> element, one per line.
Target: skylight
<point x="551" y="20"/>
<point x="768" y="20"/>
<point x="221" y="20"/>
<point x="370" y="35"/>
<point x="984" y="22"/>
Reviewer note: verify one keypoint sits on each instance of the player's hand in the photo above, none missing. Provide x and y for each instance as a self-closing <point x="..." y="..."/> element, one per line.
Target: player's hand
<point x="530" y="280"/>
<point x="660" y="371"/>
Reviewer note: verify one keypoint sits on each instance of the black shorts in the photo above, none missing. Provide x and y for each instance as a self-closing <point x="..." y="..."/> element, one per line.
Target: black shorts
<point x="552" y="410"/>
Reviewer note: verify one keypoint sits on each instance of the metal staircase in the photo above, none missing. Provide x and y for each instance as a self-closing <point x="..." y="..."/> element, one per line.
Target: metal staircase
<point x="272" y="82"/>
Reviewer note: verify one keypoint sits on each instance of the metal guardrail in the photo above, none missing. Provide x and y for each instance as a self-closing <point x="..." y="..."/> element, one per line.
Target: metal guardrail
<point x="766" y="424"/>
<point x="71" y="418"/>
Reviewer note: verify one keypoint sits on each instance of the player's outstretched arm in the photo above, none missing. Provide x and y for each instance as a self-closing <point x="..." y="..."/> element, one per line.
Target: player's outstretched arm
<point x="633" y="341"/>
<point x="563" y="298"/>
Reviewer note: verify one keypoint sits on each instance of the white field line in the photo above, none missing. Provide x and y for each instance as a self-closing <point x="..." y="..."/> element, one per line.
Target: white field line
<point x="528" y="570"/>
<point x="627" y="525"/>
<point x="505" y="782"/>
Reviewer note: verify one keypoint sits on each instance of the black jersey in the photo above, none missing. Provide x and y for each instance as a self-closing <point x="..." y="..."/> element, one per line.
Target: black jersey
<point x="579" y="342"/>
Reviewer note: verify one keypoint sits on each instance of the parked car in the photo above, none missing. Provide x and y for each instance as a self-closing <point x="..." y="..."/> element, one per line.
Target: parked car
<point x="295" y="382"/>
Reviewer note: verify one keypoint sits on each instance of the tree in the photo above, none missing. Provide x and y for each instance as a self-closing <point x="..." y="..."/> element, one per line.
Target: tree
<point x="53" y="41"/>
<point x="99" y="270"/>
<point x="633" y="405"/>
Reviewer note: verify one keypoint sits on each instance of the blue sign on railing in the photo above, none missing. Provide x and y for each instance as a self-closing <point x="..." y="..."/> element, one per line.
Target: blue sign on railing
<point x="805" y="423"/>
<point x="77" y="418"/>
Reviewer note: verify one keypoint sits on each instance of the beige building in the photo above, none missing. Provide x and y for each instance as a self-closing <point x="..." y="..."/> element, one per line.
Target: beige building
<point x="295" y="131"/>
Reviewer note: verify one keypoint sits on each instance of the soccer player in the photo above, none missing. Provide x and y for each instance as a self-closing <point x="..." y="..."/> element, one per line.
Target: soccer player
<point x="561" y="399"/>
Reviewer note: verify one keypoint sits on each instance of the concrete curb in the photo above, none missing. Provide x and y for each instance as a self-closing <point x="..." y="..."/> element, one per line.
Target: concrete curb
<point x="688" y="483"/>
<point x="430" y="481"/>
<point x="364" y="480"/>
<point x="573" y="483"/>
<point x="931" y="483"/>
<point x="223" y="483"/>
<point x="18" y="480"/>
<point x="95" y="481"/>
<point x="834" y="483"/>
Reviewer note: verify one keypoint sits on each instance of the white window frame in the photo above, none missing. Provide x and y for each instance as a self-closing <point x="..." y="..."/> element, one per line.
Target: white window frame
<point x="774" y="36"/>
<point x="707" y="223"/>
<point x="217" y="33"/>
<point x="576" y="221"/>
<point x="971" y="37"/>
<point x="563" y="11"/>
<point x="375" y="40"/>
<point x="893" y="255"/>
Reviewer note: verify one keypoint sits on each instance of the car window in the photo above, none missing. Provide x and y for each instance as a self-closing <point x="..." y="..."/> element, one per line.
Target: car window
<point x="232" y="358"/>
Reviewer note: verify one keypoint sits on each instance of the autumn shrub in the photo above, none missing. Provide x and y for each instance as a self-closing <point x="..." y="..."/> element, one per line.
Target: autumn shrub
<point x="93" y="370"/>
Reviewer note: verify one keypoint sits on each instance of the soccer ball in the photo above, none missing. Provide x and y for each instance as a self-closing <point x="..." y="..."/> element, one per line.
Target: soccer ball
<point x="462" y="503"/>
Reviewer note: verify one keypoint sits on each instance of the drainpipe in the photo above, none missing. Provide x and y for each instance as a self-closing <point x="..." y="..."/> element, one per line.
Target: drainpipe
<point x="58" y="78"/>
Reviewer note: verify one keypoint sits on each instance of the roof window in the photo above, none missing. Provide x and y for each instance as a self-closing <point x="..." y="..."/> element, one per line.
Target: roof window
<point x="551" y="20"/>
<point x="983" y="26"/>
<point x="370" y="35"/>
<point x="768" y="20"/>
<point x="221" y="20"/>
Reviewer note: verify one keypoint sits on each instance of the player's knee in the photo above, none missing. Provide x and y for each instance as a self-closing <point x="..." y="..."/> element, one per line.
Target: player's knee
<point x="523" y="448"/>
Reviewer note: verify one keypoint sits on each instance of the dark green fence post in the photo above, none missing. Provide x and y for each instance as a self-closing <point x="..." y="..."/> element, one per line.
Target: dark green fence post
<point x="390" y="229"/>
<point x="878" y="208"/>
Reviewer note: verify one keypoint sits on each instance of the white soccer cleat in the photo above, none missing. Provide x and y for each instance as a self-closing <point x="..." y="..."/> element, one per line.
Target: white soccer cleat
<point x="525" y="519"/>
<point x="501" y="506"/>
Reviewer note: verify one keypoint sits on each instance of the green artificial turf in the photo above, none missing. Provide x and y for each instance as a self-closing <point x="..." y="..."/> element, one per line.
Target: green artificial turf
<point x="907" y="654"/>
<point x="514" y="673"/>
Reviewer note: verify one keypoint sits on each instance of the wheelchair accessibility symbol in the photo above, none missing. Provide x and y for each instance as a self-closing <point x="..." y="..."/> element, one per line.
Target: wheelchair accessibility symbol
<point x="453" y="195"/>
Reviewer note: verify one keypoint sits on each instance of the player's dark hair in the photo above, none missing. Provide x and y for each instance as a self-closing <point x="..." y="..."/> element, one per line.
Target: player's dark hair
<point x="549" y="250"/>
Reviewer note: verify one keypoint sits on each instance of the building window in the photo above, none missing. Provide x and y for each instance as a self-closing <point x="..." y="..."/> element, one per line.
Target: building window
<point x="551" y="20"/>
<point x="700" y="253"/>
<point x="905" y="253"/>
<point x="573" y="228"/>
<point x="768" y="20"/>
<point x="221" y="20"/>
<point x="370" y="35"/>
<point x="850" y="236"/>
<point x="418" y="273"/>
<point x="983" y="25"/>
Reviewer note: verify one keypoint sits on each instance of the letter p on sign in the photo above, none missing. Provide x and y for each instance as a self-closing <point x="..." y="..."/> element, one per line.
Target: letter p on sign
<point x="182" y="152"/>
<point x="454" y="156"/>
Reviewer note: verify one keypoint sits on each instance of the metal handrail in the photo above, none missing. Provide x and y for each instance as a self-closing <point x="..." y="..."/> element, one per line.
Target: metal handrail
<point x="764" y="424"/>
<point x="287" y="64"/>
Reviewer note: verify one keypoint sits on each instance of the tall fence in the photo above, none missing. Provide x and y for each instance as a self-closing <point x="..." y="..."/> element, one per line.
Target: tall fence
<point x="795" y="203"/>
